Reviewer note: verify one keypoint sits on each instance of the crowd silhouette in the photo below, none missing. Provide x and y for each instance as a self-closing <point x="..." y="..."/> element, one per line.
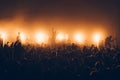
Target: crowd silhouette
<point x="63" y="62"/>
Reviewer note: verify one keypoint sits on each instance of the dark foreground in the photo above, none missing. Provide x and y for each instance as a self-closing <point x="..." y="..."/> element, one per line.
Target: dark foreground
<point x="66" y="62"/>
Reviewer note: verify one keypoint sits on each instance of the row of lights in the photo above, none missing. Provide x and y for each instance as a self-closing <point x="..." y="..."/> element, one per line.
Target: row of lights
<point x="79" y="37"/>
<point x="43" y="38"/>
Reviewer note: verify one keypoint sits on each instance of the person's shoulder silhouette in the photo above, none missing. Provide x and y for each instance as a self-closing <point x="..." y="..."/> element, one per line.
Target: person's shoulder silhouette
<point x="1" y="41"/>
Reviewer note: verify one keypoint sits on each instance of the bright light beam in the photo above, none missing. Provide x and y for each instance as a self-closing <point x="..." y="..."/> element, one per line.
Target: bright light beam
<point x="60" y="36"/>
<point x="22" y="37"/>
<point x="3" y="35"/>
<point x="79" y="38"/>
<point x="41" y="38"/>
<point x="96" y="38"/>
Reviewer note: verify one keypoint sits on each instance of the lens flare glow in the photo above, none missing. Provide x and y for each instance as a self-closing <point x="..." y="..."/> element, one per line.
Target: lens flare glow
<point x="96" y="38"/>
<point x="3" y="35"/>
<point x="41" y="38"/>
<point x="62" y="37"/>
<point x="23" y="37"/>
<point x="79" y="38"/>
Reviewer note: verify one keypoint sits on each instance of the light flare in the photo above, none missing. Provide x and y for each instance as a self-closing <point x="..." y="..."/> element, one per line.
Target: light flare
<point x="41" y="38"/>
<point x="3" y="35"/>
<point x="23" y="37"/>
<point x="62" y="37"/>
<point x="79" y="37"/>
<point x="97" y="38"/>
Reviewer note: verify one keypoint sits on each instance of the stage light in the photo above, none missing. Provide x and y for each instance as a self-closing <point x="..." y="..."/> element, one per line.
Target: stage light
<point x="22" y="37"/>
<point x="96" y="38"/>
<point x="60" y="36"/>
<point x="79" y="38"/>
<point x="3" y="36"/>
<point x="41" y="37"/>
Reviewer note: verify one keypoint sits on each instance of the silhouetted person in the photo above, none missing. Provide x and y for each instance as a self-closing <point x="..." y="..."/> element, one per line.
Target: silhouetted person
<point x="108" y="41"/>
<point x="1" y="41"/>
<point x="1" y="47"/>
<point x="53" y="37"/>
<point x="18" y="40"/>
<point x="18" y="48"/>
<point x="7" y="51"/>
<point x="18" y="37"/>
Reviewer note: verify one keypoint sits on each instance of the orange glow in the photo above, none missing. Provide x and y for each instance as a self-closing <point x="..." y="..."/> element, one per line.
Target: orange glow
<point x="40" y="33"/>
<point x="41" y="38"/>
<point x="36" y="31"/>
<point x="79" y="38"/>
<point x="3" y="35"/>
<point x="66" y="37"/>
<point x="23" y="37"/>
<point x="97" y="38"/>
<point x="62" y="36"/>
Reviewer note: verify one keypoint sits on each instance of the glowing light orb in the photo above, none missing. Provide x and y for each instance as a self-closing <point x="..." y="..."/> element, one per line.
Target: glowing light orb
<point x="22" y="37"/>
<point x="97" y="38"/>
<point x="3" y="36"/>
<point x="79" y="38"/>
<point x="41" y="37"/>
<point x="62" y="37"/>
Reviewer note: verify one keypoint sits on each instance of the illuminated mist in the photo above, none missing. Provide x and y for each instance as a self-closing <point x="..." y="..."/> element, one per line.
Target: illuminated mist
<point x="68" y="17"/>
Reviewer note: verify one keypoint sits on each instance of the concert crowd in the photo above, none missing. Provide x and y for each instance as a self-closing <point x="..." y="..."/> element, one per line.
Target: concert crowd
<point x="62" y="62"/>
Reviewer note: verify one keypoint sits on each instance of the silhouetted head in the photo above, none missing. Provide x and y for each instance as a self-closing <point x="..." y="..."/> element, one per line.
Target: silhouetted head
<point x="110" y="36"/>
